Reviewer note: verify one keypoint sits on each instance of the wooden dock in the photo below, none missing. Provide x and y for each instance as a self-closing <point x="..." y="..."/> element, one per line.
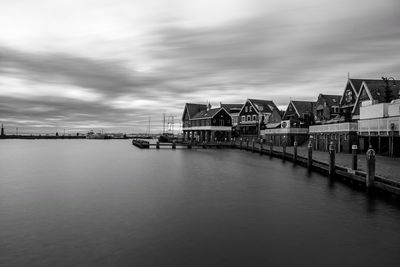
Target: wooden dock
<point x="331" y="170"/>
<point x="147" y="145"/>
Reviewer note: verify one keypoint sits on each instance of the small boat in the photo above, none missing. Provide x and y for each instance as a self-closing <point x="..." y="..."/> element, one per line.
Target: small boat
<point x="166" y="138"/>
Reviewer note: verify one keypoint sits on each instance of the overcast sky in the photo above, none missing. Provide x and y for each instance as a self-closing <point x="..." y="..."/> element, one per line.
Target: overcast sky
<point x="111" y="65"/>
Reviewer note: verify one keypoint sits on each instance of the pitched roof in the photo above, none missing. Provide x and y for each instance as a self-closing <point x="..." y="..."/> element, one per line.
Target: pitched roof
<point x="377" y="89"/>
<point x="232" y="108"/>
<point x="204" y="114"/>
<point x="331" y="100"/>
<point x="303" y="106"/>
<point x="193" y="109"/>
<point x="263" y="105"/>
<point x="357" y="84"/>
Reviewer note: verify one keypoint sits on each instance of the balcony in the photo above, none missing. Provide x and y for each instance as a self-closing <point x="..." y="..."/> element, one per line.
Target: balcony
<point x="334" y="127"/>
<point x="374" y="111"/>
<point x="381" y="126"/>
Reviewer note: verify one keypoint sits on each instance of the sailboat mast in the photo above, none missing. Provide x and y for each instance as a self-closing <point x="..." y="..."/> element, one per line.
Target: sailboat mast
<point x="163" y="129"/>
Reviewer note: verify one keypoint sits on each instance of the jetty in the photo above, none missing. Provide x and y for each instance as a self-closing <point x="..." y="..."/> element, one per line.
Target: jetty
<point x="324" y="165"/>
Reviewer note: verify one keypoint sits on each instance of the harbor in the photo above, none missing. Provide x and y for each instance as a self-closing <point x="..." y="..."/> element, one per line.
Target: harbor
<point x="329" y="164"/>
<point x="123" y="206"/>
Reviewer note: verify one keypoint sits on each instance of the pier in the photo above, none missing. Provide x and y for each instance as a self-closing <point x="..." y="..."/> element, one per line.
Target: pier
<point x="326" y="165"/>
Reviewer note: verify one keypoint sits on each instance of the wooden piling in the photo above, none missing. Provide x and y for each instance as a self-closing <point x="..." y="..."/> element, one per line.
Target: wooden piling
<point x="354" y="158"/>
<point x="271" y="146"/>
<point x="252" y="148"/>
<point x="309" y="158"/>
<point x="158" y="145"/>
<point x="370" y="167"/>
<point x="295" y="152"/>
<point x="241" y="144"/>
<point x="173" y="145"/>
<point x="247" y="144"/>
<point x="284" y="149"/>
<point x="332" y="152"/>
<point x="261" y="147"/>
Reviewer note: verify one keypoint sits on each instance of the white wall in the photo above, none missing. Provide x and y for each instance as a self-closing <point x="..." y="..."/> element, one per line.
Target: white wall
<point x="374" y="111"/>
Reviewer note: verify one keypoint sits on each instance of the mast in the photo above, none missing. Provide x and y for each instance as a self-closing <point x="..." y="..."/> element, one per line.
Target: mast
<point x="163" y="129"/>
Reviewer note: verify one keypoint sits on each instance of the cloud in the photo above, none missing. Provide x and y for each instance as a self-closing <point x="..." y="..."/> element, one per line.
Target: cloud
<point x="260" y="49"/>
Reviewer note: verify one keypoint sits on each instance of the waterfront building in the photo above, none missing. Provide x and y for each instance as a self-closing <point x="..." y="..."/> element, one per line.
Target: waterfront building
<point x="378" y="106"/>
<point x="349" y="98"/>
<point x="255" y="114"/>
<point x="233" y="110"/>
<point x="203" y="123"/>
<point x="294" y="124"/>
<point x="327" y="109"/>
<point x="341" y="129"/>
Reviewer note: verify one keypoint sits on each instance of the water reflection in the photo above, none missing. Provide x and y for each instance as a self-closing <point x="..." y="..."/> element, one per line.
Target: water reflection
<point x="108" y="203"/>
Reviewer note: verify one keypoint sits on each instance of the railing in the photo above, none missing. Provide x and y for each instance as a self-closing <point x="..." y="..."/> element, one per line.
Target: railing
<point x="208" y="128"/>
<point x="334" y="127"/>
<point x="285" y="131"/>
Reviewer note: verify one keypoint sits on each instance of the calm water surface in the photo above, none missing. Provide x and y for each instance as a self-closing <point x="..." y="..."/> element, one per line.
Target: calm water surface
<point x="107" y="203"/>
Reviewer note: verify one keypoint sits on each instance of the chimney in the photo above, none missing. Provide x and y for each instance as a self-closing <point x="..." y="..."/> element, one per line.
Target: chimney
<point x="208" y="106"/>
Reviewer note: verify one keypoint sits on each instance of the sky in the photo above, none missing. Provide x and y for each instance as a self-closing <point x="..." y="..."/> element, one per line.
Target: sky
<point x="116" y="65"/>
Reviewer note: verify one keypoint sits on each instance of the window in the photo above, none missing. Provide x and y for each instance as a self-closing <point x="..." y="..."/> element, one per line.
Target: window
<point x="254" y="117"/>
<point x="251" y="109"/>
<point x="243" y="118"/>
<point x="221" y="122"/>
<point x="248" y="118"/>
<point x="246" y="109"/>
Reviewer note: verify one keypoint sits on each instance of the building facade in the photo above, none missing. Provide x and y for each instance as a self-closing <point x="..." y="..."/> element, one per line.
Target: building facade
<point x="341" y="129"/>
<point x="378" y="106"/>
<point x="233" y="110"/>
<point x="202" y="123"/>
<point x="254" y="115"/>
<point x="294" y="124"/>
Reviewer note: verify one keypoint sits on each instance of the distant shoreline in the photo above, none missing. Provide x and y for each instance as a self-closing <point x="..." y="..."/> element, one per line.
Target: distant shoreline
<point x="42" y="137"/>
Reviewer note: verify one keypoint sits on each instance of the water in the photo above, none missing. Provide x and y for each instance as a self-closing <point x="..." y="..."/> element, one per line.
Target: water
<point x="107" y="203"/>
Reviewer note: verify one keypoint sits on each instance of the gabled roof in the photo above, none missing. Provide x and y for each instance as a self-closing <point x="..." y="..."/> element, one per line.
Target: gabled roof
<point x="193" y="109"/>
<point x="302" y="107"/>
<point x="232" y="108"/>
<point x="355" y="85"/>
<point x="205" y="114"/>
<point x="263" y="105"/>
<point x="331" y="100"/>
<point x="377" y="89"/>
